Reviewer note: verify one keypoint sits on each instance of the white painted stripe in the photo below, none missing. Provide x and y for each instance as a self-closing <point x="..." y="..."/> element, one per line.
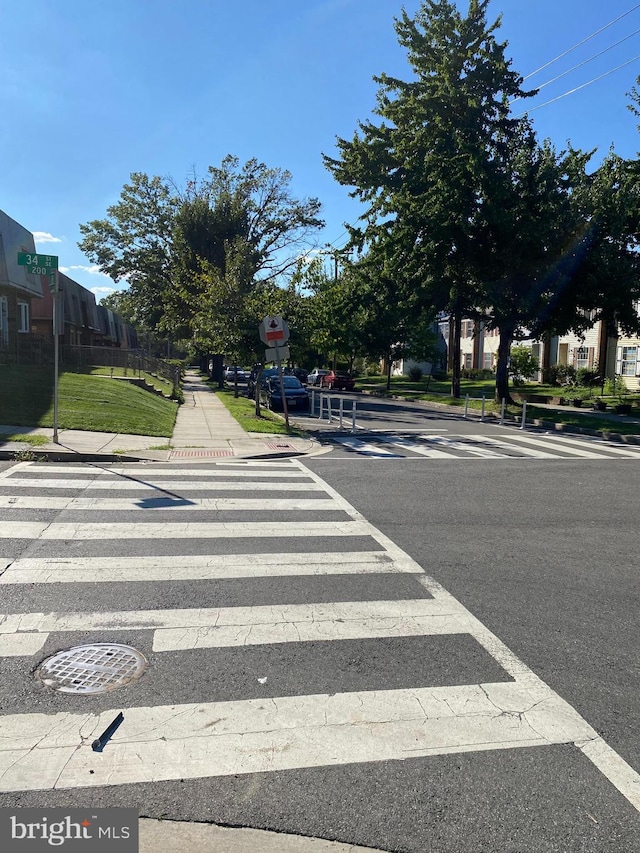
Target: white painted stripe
<point x="405" y="444"/>
<point x="40" y="751"/>
<point x="19" y="645"/>
<point x="604" y="447"/>
<point x="346" y="628"/>
<point x="522" y="451"/>
<point x="169" y="502"/>
<point x="285" y="472"/>
<point x="447" y="442"/>
<point x="183" y="468"/>
<point x="551" y="445"/>
<point x="219" y="617"/>
<point x="196" y="567"/>
<point x="201" y="530"/>
<point x="170" y="487"/>
<point x="364" y="448"/>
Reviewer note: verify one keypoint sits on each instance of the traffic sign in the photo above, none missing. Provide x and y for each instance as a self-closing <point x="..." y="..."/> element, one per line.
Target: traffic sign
<point x="274" y="331"/>
<point x="277" y="354"/>
<point x="38" y="264"/>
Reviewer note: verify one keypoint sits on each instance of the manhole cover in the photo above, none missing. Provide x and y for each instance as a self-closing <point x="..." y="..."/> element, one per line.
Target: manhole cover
<point x="96" y="668"/>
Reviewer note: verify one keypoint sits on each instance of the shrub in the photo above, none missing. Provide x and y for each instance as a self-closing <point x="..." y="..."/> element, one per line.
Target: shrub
<point x="476" y="373"/>
<point x="588" y="377"/>
<point x="561" y="374"/>
<point x="415" y="373"/>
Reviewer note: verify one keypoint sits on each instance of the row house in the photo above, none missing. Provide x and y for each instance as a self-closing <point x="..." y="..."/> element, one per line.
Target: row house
<point x="26" y="304"/>
<point x="18" y="287"/>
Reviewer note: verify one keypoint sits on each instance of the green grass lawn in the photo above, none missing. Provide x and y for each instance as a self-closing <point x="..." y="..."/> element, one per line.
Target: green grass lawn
<point x="244" y="411"/>
<point x="86" y="402"/>
<point x="157" y="381"/>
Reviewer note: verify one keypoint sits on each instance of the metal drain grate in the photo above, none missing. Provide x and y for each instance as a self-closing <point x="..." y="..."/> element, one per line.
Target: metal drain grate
<point x="96" y="668"/>
<point x="274" y="445"/>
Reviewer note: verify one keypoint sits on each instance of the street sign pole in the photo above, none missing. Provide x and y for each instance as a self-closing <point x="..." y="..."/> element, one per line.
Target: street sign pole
<point x="285" y="408"/>
<point x="56" y="351"/>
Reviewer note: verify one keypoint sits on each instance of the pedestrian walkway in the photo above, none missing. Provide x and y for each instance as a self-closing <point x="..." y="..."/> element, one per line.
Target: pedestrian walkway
<point x="204" y="429"/>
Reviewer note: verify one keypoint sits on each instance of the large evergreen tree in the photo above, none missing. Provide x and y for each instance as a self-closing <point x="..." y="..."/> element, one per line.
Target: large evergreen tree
<point x="422" y="170"/>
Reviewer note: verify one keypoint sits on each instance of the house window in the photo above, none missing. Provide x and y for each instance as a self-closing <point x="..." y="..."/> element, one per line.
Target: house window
<point x="23" y="317"/>
<point x="486" y="360"/>
<point x="467" y="361"/>
<point x="629" y="361"/>
<point x="582" y="357"/>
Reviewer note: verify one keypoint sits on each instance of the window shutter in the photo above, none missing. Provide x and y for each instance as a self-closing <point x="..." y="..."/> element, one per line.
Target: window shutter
<point x="592" y="355"/>
<point x="618" y="361"/>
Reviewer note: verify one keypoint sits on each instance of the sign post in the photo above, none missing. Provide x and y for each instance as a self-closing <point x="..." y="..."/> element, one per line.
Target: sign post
<point x="274" y="332"/>
<point x="38" y="264"/>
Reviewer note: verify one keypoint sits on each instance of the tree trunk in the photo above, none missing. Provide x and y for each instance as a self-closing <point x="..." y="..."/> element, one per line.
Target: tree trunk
<point x="389" y="364"/>
<point x="455" y="361"/>
<point x="502" y="366"/>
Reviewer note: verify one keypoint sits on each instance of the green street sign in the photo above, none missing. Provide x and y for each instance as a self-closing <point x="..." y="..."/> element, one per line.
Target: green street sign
<point x="38" y="264"/>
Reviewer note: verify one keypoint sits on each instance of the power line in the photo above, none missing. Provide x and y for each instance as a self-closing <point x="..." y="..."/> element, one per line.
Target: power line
<point x="584" y="41"/>
<point x="591" y="58"/>
<point x="584" y="85"/>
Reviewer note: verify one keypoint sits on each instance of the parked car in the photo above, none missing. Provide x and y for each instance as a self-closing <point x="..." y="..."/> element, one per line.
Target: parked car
<point x="315" y="377"/>
<point x="299" y="372"/>
<point x="234" y="373"/>
<point x="340" y="380"/>
<point x="296" y="394"/>
<point x="253" y="377"/>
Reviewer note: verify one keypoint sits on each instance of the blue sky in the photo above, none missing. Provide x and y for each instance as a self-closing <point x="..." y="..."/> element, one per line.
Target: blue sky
<point x="92" y="91"/>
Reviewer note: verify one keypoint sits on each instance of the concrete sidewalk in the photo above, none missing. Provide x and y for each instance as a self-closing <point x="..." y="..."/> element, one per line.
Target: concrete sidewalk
<point x="204" y="429"/>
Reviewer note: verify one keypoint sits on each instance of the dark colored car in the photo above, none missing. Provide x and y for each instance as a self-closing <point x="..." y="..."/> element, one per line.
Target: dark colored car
<point x="295" y="392"/>
<point x="253" y="376"/>
<point x="340" y="380"/>
<point x="299" y="372"/>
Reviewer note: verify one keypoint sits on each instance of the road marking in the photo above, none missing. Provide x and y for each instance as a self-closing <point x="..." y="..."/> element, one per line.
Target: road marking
<point x="616" y="451"/>
<point x="523" y="451"/>
<point x="584" y="454"/>
<point x="257" y="735"/>
<point x="168" y="486"/>
<point x="176" y="530"/>
<point x="405" y="444"/>
<point x="445" y="441"/>
<point x="197" y="567"/>
<point x="103" y="504"/>
<point x="215" y="618"/>
<point x="366" y="449"/>
<point x="21" y="645"/>
<point x="284" y="470"/>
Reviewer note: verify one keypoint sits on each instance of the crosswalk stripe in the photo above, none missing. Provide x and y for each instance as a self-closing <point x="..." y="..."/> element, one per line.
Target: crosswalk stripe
<point x="445" y="441"/>
<point x="524" y="451"/>
<point x="163" y="485"/>
<point x="365" y="448"/>
<point x="202" y="530"/>
<point x="196" y="567"/>
<point x="283" y="470"/>
<point x="214" y="504"/>
<point x="616" y="451"/>
<point x="239" y="618"/>
<point x="405" y="444"/>
<point x="256" y="736"/>
<point x="573" y="451"/>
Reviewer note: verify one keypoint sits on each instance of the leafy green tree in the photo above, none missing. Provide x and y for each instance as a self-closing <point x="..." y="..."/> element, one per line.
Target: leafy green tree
<point x="522" y="363"/>
<point x="422" y="171"/>
<point x="204" y="248"/>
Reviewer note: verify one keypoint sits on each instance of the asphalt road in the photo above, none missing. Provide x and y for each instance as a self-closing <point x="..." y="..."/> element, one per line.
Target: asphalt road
<point x="541" y="550"/>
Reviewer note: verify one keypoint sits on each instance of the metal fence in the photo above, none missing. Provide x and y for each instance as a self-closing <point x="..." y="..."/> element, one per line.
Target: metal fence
<point x="35" y="350"/>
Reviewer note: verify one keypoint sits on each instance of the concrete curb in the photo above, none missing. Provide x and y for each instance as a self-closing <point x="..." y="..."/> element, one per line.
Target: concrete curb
<point x="177" y="836"/>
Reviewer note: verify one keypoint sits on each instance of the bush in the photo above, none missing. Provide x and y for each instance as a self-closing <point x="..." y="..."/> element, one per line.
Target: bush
<point x="561" y="374"/>
<point x="415" y="373"/>
<point x="588" y="377"/>
<point x="476" y="373"/>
